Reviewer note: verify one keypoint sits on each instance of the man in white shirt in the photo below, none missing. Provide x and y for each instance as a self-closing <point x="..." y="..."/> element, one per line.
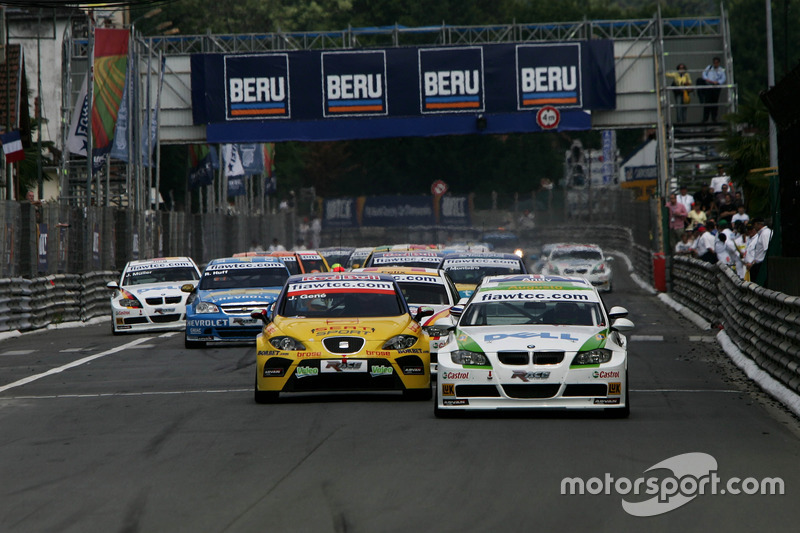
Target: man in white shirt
<point x="704" y="245"/>
<point x="740" y="215"/>
<point x="713" y="76"/>
<point x="755" y="261"/>
<point x="685" y="198"/>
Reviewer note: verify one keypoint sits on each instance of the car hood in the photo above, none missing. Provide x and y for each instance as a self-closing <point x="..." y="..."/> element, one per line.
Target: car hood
<point x="315" y="329"/>
<point x="225" y="296"/>
<point x="539" y="338"/>
<point x="172" y="288"/>
<point x="576" y="263"/>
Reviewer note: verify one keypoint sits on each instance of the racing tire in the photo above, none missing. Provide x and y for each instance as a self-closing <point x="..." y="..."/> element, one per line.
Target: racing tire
<point x="623" y="412"/>
<point x="192" y="345"/>
<point x="421" y="395"/>
<point x="262" y="396"/>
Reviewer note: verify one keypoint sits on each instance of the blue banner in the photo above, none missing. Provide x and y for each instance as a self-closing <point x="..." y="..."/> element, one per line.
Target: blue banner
<point x="340" y="213"/>
<point x="312" y="95"/>
<point x="455" y="211"/>
<point x="236" y="186"/>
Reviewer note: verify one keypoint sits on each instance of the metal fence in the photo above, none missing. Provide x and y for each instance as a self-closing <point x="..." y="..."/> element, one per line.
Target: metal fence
<point x="764" y="324"/>
<point x="56" y="239"/>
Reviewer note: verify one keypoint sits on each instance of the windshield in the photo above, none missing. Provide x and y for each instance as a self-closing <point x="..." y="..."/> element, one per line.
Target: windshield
<point x="313" y="265"/>
<point x="341" y="304"/>
<point x="235" y="278"/>
<point x="576" y="255"/>
<point x="424" y="293"/>
<point x="160" y="275"/>
<point x="473" y="274"/>
<point x="543" y="313"/>
<point x="291" y="263"/>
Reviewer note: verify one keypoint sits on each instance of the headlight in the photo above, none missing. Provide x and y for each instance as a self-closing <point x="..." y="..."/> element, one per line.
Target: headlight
<point x="464" y="357"/>
<point x="436" y="331"/>
<point x="206" y="307"/>
<point x="599" y="269"/>
<point x="400" y="342"/>
<point x="592" y="357"/>
<point x="286" y="344"/>
<point x="129" y="300"/>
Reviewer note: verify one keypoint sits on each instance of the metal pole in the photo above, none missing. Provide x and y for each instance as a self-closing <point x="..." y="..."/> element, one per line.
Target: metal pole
<point x="90" y="100"/>
<point x="39" y="109"/>
<point x="773" y="132"/>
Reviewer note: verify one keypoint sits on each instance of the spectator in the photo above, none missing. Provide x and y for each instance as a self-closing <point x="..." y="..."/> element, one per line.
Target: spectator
<point x="36" y="204"/>
<point x="719" y="180"/>
<point x="300" y="245"/>
<point x="726" y="208"/>
<point x="704" y="246"/>
<point x="686" y="245"/>
<point x="704" y="197"/>
<point x="732" y="247"/>
<point x="740" y="216"/>
<point x="316" y="232"/>
<point x="677" y="220"/>
<point x="720" y="195"/>
<point x="255" y="247"/>
<point x="697" y="217"/>
<point x="685" y="198"/>
<point x="737" y="199"/>
<point x="762" y="236"/>
<point x="525" y="222"/>
<point x="708" y="93"/>
<point x="276" y="246"/>
<point x="304" y="229"/>
<point x="681" y="78"/>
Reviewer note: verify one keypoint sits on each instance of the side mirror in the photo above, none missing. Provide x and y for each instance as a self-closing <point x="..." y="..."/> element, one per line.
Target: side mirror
<point x="188" y="287"/>
<point x="457" y="310"/>
<point x="609" y="258"/>
<point x="617" y="312"/>
<point x="422" y="312"/>
<point x="260" y="314"/>
<point x="113" y="285"/>
<point x="622" y="324"/>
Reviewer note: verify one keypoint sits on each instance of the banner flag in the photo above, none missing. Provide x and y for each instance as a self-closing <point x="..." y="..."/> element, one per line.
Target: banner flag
<point x="12" y="146"/>
<point x="110" y="67"/>
<point x="202" y="161"/>
<point x="232" y="159"/>
<point x="79" y="123"/>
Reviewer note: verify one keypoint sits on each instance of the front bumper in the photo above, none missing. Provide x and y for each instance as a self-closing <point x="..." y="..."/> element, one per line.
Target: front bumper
<point x="128" y="320"/>
<point x="222" y="328"/>
<point x="581" y="388"/>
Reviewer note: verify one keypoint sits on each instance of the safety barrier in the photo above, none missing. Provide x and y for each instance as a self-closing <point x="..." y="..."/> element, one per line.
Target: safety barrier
<point x="764" y="324"/>
<point x="30" y="304"/>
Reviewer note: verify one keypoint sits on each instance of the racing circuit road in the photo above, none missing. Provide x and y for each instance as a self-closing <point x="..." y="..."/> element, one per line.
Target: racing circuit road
<point x="141" y="435"/>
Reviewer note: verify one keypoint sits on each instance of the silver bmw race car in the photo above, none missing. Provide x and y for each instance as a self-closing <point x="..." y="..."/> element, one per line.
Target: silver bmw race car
<point x="535" y="342"/>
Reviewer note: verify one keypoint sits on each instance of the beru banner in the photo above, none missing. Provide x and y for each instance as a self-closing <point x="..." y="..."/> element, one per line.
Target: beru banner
<point x="315" y="95"/>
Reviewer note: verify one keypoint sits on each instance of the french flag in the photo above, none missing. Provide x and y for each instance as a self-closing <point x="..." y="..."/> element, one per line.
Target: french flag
<point x="12" y="146"/>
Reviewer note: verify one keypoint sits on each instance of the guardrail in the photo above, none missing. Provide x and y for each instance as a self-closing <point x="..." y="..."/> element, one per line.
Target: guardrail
<point x="764" y="324"/>
<point x="30" y="304"/>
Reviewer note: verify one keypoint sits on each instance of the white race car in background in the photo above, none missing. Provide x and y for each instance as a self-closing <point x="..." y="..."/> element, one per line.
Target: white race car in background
<point x="148" y="295"/>
<point x="585" y="260"/>
<point x="535" y="342"/>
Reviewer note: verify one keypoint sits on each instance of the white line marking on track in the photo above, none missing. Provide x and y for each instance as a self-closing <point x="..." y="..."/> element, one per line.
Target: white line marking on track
<point x="111" y="394"/>
<point x="645" y="338"/>
<point x="702" y="338"/>
<point x="18" y="352"/>
<point x="71" y="350"/>
<point x="73" y="364"/>
<point x="726" y="391"/>
<point x="170" y="334"/>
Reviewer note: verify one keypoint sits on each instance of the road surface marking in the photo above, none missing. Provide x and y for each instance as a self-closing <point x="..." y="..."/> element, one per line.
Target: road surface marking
<point x="73" y="364"/>
<point x="645" y="338"/>
<point x="18" y="352"/>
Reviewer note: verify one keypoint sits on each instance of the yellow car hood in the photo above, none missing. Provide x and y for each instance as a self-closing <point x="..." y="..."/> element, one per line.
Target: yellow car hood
<point x="373" y="329"/>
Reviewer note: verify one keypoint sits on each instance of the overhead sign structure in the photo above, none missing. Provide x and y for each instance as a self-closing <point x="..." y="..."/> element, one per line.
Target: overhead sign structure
<point x="315" y="95"/>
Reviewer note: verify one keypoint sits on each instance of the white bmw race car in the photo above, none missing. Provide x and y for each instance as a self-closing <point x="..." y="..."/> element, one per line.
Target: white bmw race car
<point x="148" y="295"/>
<point x="535" y="342"/>
<point x="585" y="260"/>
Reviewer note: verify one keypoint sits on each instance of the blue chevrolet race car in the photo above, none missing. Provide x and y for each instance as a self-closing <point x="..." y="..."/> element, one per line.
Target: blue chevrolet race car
<point x="218" y="308"/>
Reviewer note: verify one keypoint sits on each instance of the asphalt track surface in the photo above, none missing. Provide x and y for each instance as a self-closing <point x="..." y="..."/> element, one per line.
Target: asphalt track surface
<point x="102" y="433"/>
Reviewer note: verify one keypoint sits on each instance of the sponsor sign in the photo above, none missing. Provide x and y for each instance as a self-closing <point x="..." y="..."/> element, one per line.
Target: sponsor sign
<point x="507" y="295"/>
<point x="448" y="389"/>
<point x="324" y="287"/>
<point x="413" y="370"/>
<point x="399" y="91"/>
<point x="455" y="375"/>
<point x="381" y="370"/>
<point x="455" y="402"/>
<point x="196" y="323"/>
<point x="614" y="389"/>
<point x="528" y="376"/>
<point x="529" y="335"/>
<point x="257" y="87"/>
<point x="222" y="267"/>
<point x="451" y="80"/>
<point x="305" y="371"/>
<point x="339" y="366"/>
<point x="549" y="74"/>
<point x="274" y="372"/>
<point x="606" y="401"/>
<point x="605" y="374"/>
<point x="354" y="83"/>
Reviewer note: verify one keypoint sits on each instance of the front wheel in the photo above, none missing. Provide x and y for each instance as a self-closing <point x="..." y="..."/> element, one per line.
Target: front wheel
<point x="192" y="345"/>
<point x="261" y="396"/>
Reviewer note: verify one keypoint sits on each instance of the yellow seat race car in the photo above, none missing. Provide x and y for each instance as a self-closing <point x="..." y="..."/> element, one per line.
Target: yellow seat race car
<point x="342" y="331"/>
